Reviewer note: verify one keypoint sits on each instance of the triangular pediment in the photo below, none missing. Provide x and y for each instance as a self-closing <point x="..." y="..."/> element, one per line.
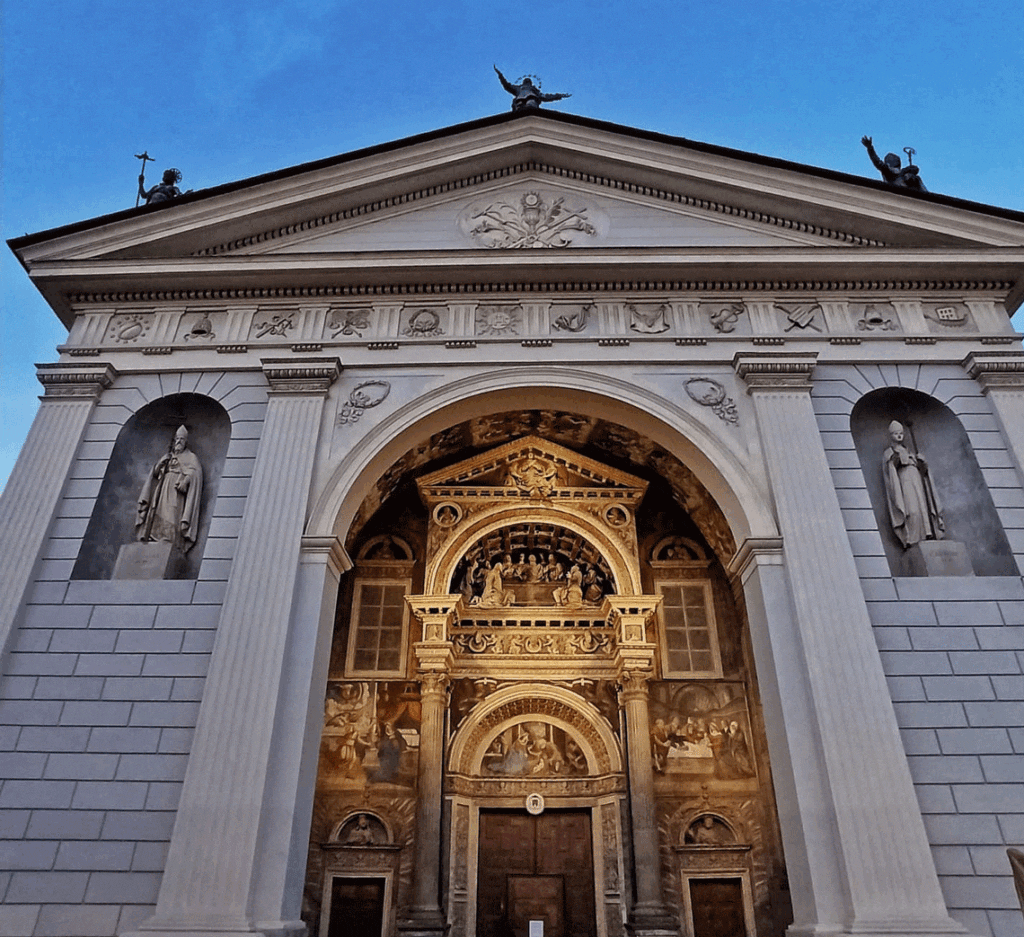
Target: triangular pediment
<point x="540" y="211"/>
<point x="532" y="467"/>
<point x="458" y="206"/>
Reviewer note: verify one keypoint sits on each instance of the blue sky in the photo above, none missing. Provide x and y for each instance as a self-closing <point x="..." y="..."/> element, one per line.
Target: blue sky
<point x="225" y="89"/>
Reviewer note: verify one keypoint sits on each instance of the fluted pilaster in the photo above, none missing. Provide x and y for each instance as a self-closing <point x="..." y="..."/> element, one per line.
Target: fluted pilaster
<point x="30" y="500"/>
<point x="233" y="789"/>
<point x="1001" y="376"/>
<point x="887" y="877"/>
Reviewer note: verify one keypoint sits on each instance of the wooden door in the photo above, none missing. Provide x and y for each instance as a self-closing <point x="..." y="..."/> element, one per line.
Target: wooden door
<point x="357" y="907"/>
<point x="529" y="864"/>
<point x="717" y="907"/>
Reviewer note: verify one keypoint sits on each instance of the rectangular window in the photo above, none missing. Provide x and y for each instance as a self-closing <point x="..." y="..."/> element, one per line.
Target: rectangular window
<point x="689" y="638"/>
<point x="377" y="637"/>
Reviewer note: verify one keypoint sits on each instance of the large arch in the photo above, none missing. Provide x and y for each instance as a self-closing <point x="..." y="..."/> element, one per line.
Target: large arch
<point x="720" y="467"/>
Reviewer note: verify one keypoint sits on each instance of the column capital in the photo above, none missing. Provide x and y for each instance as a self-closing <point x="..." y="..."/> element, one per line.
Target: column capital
<point x="77" y="379"/>
<point x="630" y="615"/>
<point x="301" y="375"/>
<point x="774" y="370"/>
<point x="996" y="369"/>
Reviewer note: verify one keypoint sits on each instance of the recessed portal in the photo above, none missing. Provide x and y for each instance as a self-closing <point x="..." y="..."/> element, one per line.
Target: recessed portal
<point x="535" y="869"/>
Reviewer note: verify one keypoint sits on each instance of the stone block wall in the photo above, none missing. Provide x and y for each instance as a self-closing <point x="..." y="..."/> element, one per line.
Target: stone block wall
<point x="952" y="650"/>
<point x="101" y="690"/>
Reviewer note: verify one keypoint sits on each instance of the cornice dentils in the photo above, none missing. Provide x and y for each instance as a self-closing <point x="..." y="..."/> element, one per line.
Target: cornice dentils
<point x="75" y="380"/>
<point x="775" y="370"/>
<point x="996" y="369"/>
<point x="305" y="376"/>
<point x="549" y="170"/>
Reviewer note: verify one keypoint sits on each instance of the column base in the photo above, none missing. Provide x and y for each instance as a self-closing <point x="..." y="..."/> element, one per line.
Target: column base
<point x="426" y="923"/>
<point x="893" y="927"/>
<point x="164" y="928"/>
<point x="652" y="921"/>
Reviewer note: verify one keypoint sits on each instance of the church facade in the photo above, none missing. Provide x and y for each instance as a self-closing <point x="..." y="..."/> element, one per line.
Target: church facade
<point x="538" y="526"/>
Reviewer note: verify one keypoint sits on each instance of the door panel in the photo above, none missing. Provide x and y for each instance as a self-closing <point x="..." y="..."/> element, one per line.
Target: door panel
<point x="536" y="898"/>
<point x="515" y="849"/>
<point x="357" y="907"/>
<point x="717" y="905"/>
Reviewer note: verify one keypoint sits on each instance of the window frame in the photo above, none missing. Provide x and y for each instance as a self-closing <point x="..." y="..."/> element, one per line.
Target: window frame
<point x="398" y="673"/>
<point x="667" y="672"/>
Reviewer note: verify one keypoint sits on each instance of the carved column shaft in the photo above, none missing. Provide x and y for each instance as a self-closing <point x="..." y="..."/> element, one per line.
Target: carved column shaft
<point x="216" y="876"/>
<point x="434" y="661"/>
<point x="635" y="659"/>
<point x="37" y="482"/>
<point x="887" y="873"/>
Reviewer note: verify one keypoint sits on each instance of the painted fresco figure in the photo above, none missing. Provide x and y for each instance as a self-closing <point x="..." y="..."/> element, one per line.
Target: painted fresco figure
<point x="168" y="509"/>
<point x="914" y="509"/>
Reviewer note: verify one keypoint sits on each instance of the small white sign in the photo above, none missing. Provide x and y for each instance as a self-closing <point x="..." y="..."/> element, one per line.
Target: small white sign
<point x="536" y="929"/>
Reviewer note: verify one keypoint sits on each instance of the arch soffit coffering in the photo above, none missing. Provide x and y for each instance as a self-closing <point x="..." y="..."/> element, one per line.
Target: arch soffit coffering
<point x="511" y="705"/>
<point x="442" y="566"/>
<point x="740" y="496"/>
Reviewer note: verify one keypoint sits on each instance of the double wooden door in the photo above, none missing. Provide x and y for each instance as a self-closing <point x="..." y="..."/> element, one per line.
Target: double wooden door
<point x="535" y="868"/>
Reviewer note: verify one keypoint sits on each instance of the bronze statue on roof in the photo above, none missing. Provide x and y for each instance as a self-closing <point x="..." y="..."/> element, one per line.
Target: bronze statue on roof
<point x="526" y="95"/>
<point x="892" y="170"/>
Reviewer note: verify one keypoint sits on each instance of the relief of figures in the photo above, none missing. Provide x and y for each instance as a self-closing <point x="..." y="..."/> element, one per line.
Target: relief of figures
<point x="701" y="729"/>
<point x="371" y="734"/>
<point x="532" y="579"/>
<point x="534" y="749"/>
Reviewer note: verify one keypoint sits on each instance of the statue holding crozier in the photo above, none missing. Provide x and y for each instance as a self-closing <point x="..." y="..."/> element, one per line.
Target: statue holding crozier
<point x="167" y="518"/>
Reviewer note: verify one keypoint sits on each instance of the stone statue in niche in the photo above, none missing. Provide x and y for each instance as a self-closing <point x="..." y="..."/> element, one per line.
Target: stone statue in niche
<point x="914" y="508"/>
<point x="169" y="504"/>
<point x="167" y="515"/>
<point x="708" y="831"/>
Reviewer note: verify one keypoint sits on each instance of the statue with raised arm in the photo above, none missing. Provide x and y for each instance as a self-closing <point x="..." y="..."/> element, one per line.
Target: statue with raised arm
<point x="526" y="95"/>
<point x="892" y="170"/>
<point x="914" y="509"/>
<point x="170" y="499"/>
<point x="1017" y="866"/>
<point x="164" y="191"/>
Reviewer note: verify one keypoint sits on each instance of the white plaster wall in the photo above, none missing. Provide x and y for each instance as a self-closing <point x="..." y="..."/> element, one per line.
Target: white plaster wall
<point x="101" y="691"/>
<point x="952" y="649"/>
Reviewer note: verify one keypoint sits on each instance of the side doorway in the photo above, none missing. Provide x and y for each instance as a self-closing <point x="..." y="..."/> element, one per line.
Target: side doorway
<point x="535" y="868"/>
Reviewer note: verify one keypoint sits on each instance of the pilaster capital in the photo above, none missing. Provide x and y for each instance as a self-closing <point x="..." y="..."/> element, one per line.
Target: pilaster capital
<point x="755" y="551"/>
<point x="78" y="379"/>
<point x="996" y="369"/>
<point x="634" y="676"/>
<point x="301" y="375"/>
<point x="330" y="548"/>
<point x="775" y="370"/>
<point x="433" y="666"/>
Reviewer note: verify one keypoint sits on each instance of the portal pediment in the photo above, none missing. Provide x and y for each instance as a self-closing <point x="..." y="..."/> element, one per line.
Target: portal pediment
<point x="532" y="468"/>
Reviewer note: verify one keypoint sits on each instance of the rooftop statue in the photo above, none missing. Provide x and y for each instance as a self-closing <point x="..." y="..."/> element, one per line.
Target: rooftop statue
<point x="526" y="95"/>
<point x="165" y="190"/>
<point x="892" y="170"/>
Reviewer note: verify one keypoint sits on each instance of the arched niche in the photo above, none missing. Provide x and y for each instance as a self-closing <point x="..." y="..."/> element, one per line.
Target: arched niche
<point x="143" y="439"/>
<point x="506" y="709"/>
<point x="933" y="431"/>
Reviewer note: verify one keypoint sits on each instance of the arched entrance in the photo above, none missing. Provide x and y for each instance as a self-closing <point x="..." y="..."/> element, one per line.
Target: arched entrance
<point x="616" y="692"/>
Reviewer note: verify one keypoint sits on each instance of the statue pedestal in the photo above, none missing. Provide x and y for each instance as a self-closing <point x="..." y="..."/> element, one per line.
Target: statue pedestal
<point x="939" y="558"/>
<point x="158" y="560"/>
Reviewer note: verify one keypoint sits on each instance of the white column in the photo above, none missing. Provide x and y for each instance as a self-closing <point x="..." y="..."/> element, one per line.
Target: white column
<point x="885" y="882"/>
<point x="34" y="490"/>
<point x="1001" y="376"/>
<point x="232" y="865"/>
